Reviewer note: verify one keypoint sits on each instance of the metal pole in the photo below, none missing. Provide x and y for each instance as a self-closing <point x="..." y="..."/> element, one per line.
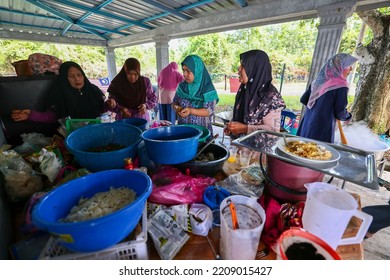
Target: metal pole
<point x="282" y="78"/>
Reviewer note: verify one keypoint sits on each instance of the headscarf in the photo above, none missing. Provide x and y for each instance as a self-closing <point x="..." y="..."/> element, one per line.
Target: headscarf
<point x="129" y="95"/>
<point x="201" y="89"/>
<point x="170" y="77"/>
<point x="258" y="97"/>
<point x="86" y="103"/>
<point x="330" y="76"/>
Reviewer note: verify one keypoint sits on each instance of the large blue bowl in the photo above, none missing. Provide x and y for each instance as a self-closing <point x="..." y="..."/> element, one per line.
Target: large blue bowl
<point x="80" y="141"/>
<point x="99" y="233"/>
<point x="171" y="144"/>
<point x="138" y="122"/>
<point x="205" y="131"/>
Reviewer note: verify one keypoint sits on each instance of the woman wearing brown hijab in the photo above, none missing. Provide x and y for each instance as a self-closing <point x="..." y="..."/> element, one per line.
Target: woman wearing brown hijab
<point x="130" y="94"/>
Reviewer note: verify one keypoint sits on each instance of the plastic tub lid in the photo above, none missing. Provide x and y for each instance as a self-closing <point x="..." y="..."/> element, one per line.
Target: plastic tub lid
<point x="214" y="195"/>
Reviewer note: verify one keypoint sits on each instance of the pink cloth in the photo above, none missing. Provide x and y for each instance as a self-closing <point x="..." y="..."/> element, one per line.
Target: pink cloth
<point x="169" y="77"/>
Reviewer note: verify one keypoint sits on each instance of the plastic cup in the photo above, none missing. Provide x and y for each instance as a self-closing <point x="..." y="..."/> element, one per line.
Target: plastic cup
<point x="232" y="154"/>
<point x="245" y="157"/>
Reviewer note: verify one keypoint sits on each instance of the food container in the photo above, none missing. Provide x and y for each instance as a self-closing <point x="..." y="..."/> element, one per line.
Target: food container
<point x="205" y="132"/>
<point x="138" y="122"/>
<point x="82" y="140"/>
<point x="286" y="182"/>
<point x="207" y="168"/>
<point x="98" y="233"/>
<point x="171" y="144"/>
<point x="304" y="244"/>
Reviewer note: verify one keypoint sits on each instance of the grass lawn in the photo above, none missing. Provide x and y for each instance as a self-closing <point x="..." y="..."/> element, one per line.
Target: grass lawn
<point x="226" y="102"/>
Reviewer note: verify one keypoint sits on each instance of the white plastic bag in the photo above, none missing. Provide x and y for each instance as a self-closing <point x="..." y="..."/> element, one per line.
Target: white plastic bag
<point x="201" y="219"/>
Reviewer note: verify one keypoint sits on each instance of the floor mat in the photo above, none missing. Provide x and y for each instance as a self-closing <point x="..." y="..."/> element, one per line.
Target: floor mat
<point x="381" y="217"/>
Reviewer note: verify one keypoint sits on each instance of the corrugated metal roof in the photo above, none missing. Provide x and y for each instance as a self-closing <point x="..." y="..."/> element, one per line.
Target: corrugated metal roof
<point x="96" y="22"/>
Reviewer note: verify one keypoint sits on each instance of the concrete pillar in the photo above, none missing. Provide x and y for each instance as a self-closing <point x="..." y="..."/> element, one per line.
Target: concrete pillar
<point x="111" y="65"/>
<point x="162" y="52"/>
<point x="332" y="22"/>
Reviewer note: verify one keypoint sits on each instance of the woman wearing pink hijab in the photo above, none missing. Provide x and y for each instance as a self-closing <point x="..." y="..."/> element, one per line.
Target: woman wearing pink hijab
<point x="326" y="99"/>
<point x="168" y="80"/>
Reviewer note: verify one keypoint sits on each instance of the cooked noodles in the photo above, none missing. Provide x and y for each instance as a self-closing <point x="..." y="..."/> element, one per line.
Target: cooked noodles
<point x="100" y="204"/>
<point x="308" y="150"/>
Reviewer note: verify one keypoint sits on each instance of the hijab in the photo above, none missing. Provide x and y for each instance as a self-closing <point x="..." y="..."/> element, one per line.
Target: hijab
<point x="330" y="76"/>
<point x="201" y="89"/>
<point x="258" y="97"/>
<point x="170" y="77"/>
<point x="86" y="103"/>
<point x="129" y="95"/>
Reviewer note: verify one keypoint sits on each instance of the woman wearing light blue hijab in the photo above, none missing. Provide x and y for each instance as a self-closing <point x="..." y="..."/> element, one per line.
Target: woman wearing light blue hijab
<point x="196" y="96"/>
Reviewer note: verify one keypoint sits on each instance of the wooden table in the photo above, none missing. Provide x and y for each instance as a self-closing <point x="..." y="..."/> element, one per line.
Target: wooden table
<point x="198" y="247"/>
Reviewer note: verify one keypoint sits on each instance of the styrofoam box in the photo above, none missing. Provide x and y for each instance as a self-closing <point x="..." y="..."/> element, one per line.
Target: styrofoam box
<point x="129" y="250"/>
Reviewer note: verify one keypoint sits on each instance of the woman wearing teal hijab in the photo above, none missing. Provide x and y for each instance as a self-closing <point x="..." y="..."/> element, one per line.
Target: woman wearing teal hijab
<point x="196" y="96"/>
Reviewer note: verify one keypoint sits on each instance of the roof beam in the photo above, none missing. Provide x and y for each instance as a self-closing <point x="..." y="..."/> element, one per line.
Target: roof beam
<point x="255" y="15"/>
<point x="63" y="17"/>
<point x="270" y="12"/>
<point x="23" y="36"/>
<point x="69" y="25"/>
<point x="97" y="11"/>
<point x="102" y="5"/>
<point x="242" y="3"/>
<point x="187" y="7"/>
<point x="167" y="9"/>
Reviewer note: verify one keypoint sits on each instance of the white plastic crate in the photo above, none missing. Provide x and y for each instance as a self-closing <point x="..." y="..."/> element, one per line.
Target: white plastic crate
<point x="129" y="250"/>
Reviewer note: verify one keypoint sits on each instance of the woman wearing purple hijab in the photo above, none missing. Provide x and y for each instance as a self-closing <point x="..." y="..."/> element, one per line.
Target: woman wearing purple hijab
<point x="326" y="99"/>
<point x="168" y="80"/>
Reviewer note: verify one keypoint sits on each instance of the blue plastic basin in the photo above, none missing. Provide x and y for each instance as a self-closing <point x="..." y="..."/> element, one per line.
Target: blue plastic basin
<point x="138" y="122"/>
<point x="80" y="141"/>
<point x="99" y="233"/>
<point x="171" y="144"/>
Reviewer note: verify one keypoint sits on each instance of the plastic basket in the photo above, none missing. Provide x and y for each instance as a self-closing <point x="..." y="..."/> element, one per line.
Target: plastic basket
<point x="73" y="124"/>
<point x="129" y="250"/>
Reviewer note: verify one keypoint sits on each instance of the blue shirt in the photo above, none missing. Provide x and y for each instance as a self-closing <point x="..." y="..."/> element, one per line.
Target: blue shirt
<point x="319" y="122"/>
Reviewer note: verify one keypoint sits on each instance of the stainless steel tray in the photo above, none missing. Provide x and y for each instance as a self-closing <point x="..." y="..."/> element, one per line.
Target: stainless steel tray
<point x="356" y="166"/>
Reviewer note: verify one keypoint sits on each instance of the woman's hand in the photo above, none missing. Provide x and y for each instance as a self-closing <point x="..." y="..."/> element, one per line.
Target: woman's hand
<point x="142" y="108"/>
<point x="237" y="128"/>
<point x="185" y="112"/>
<point x="20" y="115"/>
<point x="125" y="113"/>
<point x="111" y="103"/>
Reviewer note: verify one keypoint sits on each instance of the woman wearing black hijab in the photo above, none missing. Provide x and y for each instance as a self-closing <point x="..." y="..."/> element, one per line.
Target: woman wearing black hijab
<point x="73" y="96"/>
<point x="258" y="103"/>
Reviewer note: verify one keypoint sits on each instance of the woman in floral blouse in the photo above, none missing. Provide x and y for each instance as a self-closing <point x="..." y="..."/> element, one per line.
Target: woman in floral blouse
<point x="258" y="103"/>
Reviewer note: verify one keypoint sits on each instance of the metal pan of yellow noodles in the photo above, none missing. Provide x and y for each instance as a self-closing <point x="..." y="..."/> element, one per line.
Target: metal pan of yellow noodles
<point x="307" y="150"/>
<point x="93" y="226"/>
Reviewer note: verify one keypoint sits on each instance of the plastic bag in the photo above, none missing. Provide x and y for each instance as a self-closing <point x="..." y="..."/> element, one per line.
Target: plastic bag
<point x="49" y="164"/>
<point x="13" y="161"/>
<point x="246" y="182"/>
<point x="20" y="180"/>
<point x="167" y="235"/>
<point x="32" y="143"/>
<point x="201" y="219"/>
<point x="171" y="187"/>
<point x="20" y="185"/>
